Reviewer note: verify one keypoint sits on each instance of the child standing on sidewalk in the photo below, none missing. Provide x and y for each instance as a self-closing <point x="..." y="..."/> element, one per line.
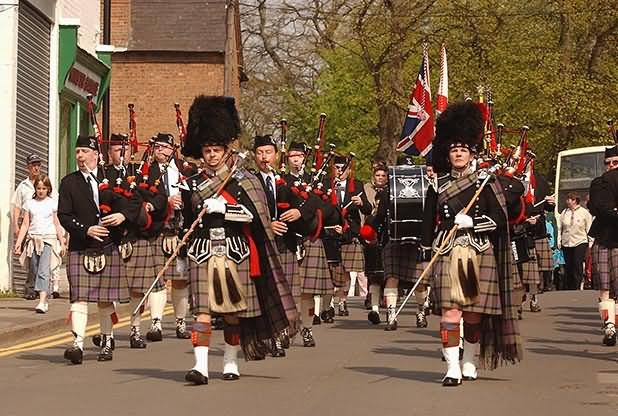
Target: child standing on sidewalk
<point x="44" y="238"/>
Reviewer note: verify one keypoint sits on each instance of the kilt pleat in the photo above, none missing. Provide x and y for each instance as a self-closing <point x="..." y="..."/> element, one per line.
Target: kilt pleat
<point x="313" y="270"/>
<point x="529" y="271"/>
<point x="400" y="262"/>
<point x="109" y="285"/>
<point x="172" y="272"/>
<point x="339" y="276"/>
<point x="141" y="267"/>
<point x="198" y="289"/>
<point x="605" y="269"/>
<point x="352" y="258"/>
<point x="290" y="269"/>
<point x="544" y="255"/>
<point x="489" y="298"/>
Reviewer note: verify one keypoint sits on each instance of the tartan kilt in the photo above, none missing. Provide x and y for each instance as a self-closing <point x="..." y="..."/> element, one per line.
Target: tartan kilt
<point x="198" y="289"/>
<point x="290" y="269"/>
<point x="544" y="255"/>
<point x="339" y="276"/>
<point x="489" y="297"/>
<point x="400" y="262"/>
<point x="313" y="270"/>
<point x="605" y="269"/>
<point x="529" y="271"/>
<point x="109" y="285"/>
<point x="141" y="267"/>
<point x="160" y="258"/>
<point x="352" y="258"/>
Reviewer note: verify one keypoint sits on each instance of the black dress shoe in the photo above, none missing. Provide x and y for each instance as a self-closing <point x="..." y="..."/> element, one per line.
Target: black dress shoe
<point x="307" y="335"/>
<point x="55" y="295"/>
<point x="230" y="377"/>
<point x="374" y="317"/>
<point x="181" y="329"/>
<point x="195" y="377"/>
<point x="154" y="335"/>
<point x="391" y="326"/>
<point x="30" y="296"/>
<point x="96" y="341"/>
<point x="451" y="382"/>
<point x="285" y="341"/>
<point x="106" y="353"/>
<point x="609" y="340"/>
<point x="278" y="350"/>
<point x="136" y="341"/>
<point x="326" y="318"/>
<point x="74" y="354"/>
<point x="468" y="378"/>
<point x="316" y="320"/>
<point x="421" y="320"/>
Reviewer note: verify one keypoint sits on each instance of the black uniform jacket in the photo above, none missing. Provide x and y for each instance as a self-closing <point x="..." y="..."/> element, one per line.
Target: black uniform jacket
<point x="77" y="211"/>
<point x="603" y="206"/>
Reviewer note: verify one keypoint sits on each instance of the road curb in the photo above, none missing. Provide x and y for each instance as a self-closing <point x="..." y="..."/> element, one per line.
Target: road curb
<point x="24" y="333"/>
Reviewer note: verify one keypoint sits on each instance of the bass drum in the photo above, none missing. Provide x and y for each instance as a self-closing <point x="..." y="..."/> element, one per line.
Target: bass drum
<point x="408" y="186"/>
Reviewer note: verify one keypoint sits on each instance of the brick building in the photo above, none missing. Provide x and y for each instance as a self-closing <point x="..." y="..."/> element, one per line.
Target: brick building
<point x="167" y="52"/>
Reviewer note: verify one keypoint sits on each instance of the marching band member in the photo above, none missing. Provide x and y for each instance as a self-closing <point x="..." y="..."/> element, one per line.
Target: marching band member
<point x="352" y="201"/>
<point x="171" y="170"/>
<point x="472" y="275"/>
<point x="604" y="229"/>
<point x="313" y="272"/>
<point x="92" y="216"/>
<point x="234" y="268"/>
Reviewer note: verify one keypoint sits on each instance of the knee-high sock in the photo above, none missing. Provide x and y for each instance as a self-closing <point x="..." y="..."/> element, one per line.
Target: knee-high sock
<point x="375" y="297"/>
<point x="180" y="300"/>
<point x="420" y="296"/>
<point x="157" y="301"/>
<point x="307" y="311"/>
<point x="607" y="310"/>
<point x="326" y="302"/>
<point x="105" y="319"/>
<point x="390" y="294"/>
<point x="79" y="320"/>
<point x="137" y="319"/>
<point x="200" y="337"/>
<point x="317" y="302"/>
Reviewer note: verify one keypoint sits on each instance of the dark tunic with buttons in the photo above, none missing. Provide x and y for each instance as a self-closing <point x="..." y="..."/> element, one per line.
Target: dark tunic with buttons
<point x="77" y="212"/>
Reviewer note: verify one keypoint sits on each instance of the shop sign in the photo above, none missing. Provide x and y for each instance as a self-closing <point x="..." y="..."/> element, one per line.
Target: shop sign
<point x="83" y="81"/>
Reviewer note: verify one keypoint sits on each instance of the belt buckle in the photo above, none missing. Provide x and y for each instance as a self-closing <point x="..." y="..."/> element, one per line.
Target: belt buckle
<point x="462" y="240"/>
<point x="217" y="234"/>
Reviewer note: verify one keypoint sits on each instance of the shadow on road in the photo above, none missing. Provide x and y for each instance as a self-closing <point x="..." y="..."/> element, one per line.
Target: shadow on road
<point x="408" y="352"/>
<point x="589" y="355"/>
<point x="422" y="376"/>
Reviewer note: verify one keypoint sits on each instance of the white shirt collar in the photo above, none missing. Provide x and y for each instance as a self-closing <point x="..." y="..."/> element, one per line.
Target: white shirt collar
<point x="86" y="175"/>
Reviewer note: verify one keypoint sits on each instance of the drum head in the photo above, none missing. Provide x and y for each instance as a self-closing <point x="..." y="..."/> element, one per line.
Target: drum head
<point x="408" y="186"/>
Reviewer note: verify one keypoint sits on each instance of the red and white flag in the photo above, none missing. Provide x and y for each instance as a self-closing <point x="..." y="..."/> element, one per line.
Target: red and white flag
<point x="418" y="128"/>
<point x="442" y="99"/>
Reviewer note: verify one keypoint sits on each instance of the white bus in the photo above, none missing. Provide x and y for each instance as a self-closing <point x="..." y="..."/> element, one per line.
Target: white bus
<point x="575" y="169"/>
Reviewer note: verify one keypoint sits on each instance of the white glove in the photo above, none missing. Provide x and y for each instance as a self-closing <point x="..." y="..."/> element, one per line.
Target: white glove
<point x="214" y="206"/>
<point x="464" y="221"/>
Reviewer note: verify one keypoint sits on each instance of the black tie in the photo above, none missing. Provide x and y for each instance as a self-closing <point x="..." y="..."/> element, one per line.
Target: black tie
<point x="165" y="182"/>
<point x="270" y="196"/>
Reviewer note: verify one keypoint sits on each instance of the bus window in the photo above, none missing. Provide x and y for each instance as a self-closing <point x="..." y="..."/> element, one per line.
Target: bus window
<point x="576" y="173"/>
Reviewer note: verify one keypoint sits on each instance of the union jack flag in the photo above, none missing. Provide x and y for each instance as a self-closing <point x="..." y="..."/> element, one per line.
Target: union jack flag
<point x="419" y="129"/>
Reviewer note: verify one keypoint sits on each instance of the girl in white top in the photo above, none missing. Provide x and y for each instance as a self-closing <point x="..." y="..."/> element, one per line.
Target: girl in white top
<point x="45" y="241"/>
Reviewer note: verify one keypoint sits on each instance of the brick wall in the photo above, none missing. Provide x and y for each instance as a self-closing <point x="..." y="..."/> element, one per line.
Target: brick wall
<point x="154" y="87"/>
<point x="121" y="16"/>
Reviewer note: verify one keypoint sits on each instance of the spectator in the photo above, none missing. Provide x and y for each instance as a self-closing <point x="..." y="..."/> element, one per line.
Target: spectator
<point x="574" y="223"/>
<point x="23" y="193"/>
<point x="44" y="238"/>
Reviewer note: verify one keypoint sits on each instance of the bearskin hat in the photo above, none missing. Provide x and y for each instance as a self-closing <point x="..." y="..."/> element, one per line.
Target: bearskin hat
<point x="611" y="152"/>
<point x="213" y="120"/>
<point x="461" y="123"/>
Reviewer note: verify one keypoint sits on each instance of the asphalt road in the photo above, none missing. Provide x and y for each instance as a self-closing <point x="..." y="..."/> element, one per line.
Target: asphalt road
<point x="356" y="369"/>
